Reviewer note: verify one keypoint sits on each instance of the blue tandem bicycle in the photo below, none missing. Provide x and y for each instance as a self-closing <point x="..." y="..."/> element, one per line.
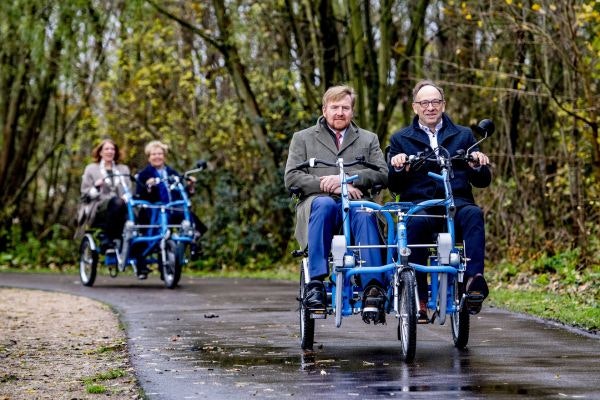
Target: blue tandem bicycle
<point x="445" y="269"/>
<point x="161" y="243"/>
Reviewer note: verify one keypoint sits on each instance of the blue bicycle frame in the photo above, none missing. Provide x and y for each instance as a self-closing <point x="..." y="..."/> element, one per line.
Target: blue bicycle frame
<point x="159" y="229"/>
<point x="448" y="254"/>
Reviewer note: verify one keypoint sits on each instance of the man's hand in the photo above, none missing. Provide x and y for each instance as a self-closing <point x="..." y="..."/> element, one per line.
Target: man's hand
<point x="479" y="159"/>
<point x="330" y="183"/>
<point x="399" y="161"/>
<point x="353" y="192"/>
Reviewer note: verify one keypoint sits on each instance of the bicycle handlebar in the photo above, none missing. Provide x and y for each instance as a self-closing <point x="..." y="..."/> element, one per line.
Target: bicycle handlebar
<point x="312" y="162"/>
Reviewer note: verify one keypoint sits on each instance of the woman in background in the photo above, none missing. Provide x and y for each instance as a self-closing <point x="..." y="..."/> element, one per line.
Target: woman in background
<point x="102" y="193"/>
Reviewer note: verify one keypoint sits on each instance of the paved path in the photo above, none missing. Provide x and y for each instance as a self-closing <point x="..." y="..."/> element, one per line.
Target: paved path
<point x="237" y="339"/>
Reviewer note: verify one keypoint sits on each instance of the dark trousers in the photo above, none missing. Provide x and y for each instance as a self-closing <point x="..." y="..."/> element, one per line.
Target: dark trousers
<point x="110" y="217"/>
<point x="468" y="224"/>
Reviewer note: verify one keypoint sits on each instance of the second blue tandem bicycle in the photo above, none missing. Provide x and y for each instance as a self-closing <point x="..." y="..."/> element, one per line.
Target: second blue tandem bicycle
<point x="167" y="245"/>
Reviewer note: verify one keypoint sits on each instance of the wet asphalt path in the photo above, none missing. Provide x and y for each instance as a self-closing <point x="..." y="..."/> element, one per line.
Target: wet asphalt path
<point x="238" y="339"/>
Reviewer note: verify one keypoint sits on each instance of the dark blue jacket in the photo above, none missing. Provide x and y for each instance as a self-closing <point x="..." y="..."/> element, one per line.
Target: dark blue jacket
<point x="156" y="193"/>
<point x="415" y="185"/>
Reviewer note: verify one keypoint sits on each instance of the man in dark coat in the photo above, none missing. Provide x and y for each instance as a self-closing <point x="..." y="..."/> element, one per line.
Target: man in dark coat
<point x="431" y="128"/>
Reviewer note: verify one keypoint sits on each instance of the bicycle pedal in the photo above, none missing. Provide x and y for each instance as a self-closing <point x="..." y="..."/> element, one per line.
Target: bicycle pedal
<point x="317" y="313"/>
<point x="475" y="298"/>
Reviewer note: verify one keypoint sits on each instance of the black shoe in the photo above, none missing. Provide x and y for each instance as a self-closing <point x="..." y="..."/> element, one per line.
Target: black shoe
<point x="142" y="272"/>
<point x="374" y="305"/>
<point x="314" y="296"/>
<point x="195" y="251"/>
<point x="105" y="244"/>
<point x="477" y="291"/>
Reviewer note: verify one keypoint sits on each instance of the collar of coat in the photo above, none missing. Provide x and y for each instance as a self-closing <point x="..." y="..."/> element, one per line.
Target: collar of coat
<point x="323" y="135"/>
<point x="448" y="130"/>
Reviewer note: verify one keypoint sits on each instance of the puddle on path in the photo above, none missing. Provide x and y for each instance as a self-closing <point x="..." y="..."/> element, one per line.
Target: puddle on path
<point x="380" y="374"/>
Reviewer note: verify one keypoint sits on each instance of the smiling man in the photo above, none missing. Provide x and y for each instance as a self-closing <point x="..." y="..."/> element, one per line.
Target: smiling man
<point x="318" y="214"/>
<point x="432" y="128"/>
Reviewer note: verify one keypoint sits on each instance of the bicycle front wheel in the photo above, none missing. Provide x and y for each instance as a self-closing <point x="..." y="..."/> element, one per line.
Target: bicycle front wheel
<point x="171" y="266"/>
<point x="460" y="318"/>
<point x="407" y="318"/>
<point x="307" y="324"/>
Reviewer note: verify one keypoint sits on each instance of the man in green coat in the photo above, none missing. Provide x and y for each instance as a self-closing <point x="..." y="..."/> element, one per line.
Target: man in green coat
<point x="318" y="214"/>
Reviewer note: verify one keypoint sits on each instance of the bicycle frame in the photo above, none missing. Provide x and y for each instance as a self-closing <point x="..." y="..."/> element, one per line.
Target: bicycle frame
<point x="159" y="220"/>
<point x="344" y="267"/>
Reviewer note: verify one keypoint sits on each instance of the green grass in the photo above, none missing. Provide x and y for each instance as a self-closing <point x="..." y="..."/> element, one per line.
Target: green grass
<point x="92" y="384"/>
<point x="113" y="347"/>
<point x="95" y="388"/>
<point x="561" y="308"/>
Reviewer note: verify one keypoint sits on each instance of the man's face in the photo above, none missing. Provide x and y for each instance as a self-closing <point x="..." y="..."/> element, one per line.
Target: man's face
<point x="338" y="114"/>
<point x="156" y="158"/>
<point x="429" y="115"/>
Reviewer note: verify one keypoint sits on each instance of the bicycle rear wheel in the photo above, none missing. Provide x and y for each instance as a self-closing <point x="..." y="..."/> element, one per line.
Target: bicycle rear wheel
<point x="407" y="318"/>
<point x="460" y="318"/>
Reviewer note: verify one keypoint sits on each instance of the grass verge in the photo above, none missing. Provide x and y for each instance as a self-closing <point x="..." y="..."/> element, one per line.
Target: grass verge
<point x="92" y="384"/>
<point x="561" y="308"/>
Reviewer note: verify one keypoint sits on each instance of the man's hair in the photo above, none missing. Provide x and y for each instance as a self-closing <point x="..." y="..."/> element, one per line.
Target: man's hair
<point x="153" y="144"/>
<point x="426" y="82"/>
<point x="336" y="93"/>
<point x="98" y="149"/>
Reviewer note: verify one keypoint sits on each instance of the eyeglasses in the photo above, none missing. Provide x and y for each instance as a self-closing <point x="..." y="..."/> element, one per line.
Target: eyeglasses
<point x="425" y="103"/>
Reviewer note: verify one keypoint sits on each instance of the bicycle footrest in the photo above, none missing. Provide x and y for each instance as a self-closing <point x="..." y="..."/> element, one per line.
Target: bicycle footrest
<point x="473" y="302"/>
<point x="318" y="313"/>
<point x="474" y="298"/>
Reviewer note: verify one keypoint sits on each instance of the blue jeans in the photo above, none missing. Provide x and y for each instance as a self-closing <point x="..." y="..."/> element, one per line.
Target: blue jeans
<point x="325" y="221"/>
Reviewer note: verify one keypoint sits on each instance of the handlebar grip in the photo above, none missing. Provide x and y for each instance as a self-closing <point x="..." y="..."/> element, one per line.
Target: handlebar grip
<point x="311" y="162"/>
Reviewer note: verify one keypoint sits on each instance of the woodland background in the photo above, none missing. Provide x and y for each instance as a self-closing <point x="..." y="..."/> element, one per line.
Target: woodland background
<point x="229" y="81"/>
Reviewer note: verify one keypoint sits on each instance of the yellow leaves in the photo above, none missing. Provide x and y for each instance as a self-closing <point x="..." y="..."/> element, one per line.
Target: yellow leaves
<point x="509" y="2"/>
<point x="464" y="10"/>
<point x="536" y="7"/>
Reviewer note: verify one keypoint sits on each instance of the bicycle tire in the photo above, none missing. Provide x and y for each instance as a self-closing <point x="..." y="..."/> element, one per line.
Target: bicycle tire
<point x="407" y="315"/>
<point x="460" y="319"/>
<point x="88" y="261"/>
<point x="307" y="324"/>
<point x="171" y="266"/>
